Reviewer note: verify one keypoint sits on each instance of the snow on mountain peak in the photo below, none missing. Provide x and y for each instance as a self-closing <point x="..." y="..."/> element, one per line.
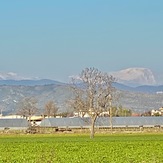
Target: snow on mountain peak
<point x="135" y="76"/>
<point x="11" y="76"/>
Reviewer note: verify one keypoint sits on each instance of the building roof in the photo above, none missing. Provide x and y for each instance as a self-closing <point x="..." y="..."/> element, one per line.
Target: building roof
<point x="102" y="122"/>
<point x="13" y="123"/>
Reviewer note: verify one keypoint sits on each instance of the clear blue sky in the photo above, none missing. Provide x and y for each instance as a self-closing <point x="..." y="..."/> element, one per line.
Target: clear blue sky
<point x="56" y="39"/>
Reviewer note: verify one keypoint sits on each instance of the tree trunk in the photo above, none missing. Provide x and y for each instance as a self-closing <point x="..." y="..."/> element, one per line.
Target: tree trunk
<point x="93" y="119"/>
<point x="29" y="120"/>
<point x="111" y="123"/>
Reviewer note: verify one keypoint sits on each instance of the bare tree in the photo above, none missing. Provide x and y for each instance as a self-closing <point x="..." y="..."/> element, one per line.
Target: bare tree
<point x="66" y="113"/>
<point x="51" y="109"/>
<point x="78" y="103"/>
<point x="27" y="107"/>
<point x="92" y="95"/>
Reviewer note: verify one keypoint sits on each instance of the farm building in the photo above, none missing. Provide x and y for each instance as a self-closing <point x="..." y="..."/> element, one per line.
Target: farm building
<point x="78" y="122"/>
<point x="16" y="124"/>
<point x="75" y="122"/>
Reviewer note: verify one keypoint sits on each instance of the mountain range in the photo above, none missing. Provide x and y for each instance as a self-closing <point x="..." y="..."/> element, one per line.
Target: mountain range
<point x="131" y="79"/>
<point x="11" y="95"/>
<point x="119" y="86"/>
<point x="29" y="82"/>
<point x="139" y="93"/>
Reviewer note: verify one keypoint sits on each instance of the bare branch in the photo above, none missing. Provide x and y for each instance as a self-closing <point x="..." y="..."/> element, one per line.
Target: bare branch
<point x="51" y="109"/>
<point x="92" y="95"/>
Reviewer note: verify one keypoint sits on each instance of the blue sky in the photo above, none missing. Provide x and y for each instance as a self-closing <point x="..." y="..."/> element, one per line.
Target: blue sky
<point x="56" y="39"/>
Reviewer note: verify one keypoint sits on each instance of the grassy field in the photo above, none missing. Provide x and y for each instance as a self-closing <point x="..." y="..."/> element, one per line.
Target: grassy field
<point x="73" y="148"/>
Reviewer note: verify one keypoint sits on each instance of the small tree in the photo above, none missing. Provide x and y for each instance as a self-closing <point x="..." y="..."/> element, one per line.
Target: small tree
<point x="78" y="104"/>
<point x="27" y="107"/>
<point x="92" y="94"/>
<point x="51" y="109"/>
<point x="65" y="114"/>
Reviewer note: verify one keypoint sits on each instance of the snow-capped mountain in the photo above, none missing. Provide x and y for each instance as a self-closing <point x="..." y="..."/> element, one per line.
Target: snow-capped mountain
<point x="129" y="77"/>
<point x="15" y="79"/>
<point x="135" y="76"/>
<point x="11" y="76"/>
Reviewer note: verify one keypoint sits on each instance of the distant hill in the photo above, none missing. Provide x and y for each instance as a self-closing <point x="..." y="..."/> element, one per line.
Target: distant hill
<point x="149" y="89"/>
<point x="29" y="82"/>
<point x="138" y="98"/>
<point x="10" y="96"/>
<point x="141" y="89"/>
<point x="12" y="78"/>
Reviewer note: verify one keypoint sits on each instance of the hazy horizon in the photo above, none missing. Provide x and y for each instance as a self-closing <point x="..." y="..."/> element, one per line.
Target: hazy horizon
<point x="57" y="39"/>
<point x="133" y="72"/>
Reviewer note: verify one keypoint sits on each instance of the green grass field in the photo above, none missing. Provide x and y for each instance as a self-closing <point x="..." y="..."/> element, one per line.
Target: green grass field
<point x="73" y="148"/>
